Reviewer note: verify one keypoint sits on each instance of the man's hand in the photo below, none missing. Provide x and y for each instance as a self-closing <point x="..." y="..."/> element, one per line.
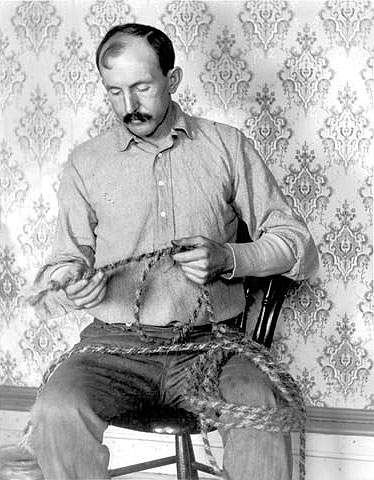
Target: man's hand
<point x="84" y="292"/>
<point x="204" y="259"/>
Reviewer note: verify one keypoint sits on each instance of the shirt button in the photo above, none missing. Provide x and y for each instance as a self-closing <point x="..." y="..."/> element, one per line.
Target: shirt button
<point x="161" y="183"/>
<point x="163" y="214"/>
<point x="159" y="155"/>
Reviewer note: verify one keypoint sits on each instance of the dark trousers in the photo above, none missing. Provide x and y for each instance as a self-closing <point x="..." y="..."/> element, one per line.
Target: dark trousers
<point x="88" y="390"/>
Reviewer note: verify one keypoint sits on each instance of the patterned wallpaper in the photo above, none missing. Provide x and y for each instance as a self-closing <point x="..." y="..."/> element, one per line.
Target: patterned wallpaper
<point x="296" y="76"/>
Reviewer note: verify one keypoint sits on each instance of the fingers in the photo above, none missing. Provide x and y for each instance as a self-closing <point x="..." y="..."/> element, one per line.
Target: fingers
<point x="84" y="286"/>
<point x="198" y="256"/>
<point x="197" y="249"/>
<point x="87" y="293"/>
<point x="66" y="274"/>
<point x="195" y="261"/>
<point x="75" y="288"/>
<point x="203" y="258"/>
<point x="194" y="241"/>
<point x="97" y="300"/>
<point x="196" y="275"/>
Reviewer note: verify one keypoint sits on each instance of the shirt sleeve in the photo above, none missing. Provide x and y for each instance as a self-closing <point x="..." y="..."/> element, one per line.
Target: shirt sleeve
<point x="282" y="242"/>
<point x="75" y="230"/>
<point x="77" y="220"/>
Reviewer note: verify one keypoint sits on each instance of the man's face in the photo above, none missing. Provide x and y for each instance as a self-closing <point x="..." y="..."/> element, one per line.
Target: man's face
<point x="137" y="88"/>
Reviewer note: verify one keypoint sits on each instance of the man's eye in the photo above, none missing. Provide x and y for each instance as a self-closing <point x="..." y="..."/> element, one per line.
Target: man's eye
<point x="114" y="92"/>
<point x="142" y="88"/>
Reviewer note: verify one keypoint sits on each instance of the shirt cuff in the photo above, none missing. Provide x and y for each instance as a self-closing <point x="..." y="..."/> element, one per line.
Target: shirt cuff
<point x="230" y="275"/>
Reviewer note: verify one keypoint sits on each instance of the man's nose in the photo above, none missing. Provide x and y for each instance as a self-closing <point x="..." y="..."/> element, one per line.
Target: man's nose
<point x="130" y="102"/>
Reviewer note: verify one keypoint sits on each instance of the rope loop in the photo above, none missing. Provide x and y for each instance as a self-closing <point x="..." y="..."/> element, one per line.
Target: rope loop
<point x="202" y="385"/>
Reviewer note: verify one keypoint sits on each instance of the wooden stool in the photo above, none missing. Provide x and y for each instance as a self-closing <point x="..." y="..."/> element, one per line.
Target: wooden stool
<point x="170" y="421"/>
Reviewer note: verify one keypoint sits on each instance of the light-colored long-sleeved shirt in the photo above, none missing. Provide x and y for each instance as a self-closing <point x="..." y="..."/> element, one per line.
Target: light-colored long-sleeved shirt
<point x="122" y="197"/>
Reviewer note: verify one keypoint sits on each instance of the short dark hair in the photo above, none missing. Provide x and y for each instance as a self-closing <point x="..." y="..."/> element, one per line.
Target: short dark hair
<point x="157" y="39"/>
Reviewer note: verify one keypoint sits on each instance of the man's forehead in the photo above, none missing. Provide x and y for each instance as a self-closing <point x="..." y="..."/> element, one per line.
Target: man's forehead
<point x="130" y="66"/>
<point x="133" y="51"/>
<point x="124" y="38"/>
<point x="124" y="43"/>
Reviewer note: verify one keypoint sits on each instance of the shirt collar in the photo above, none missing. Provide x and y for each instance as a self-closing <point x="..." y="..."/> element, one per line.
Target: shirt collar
<point x="125" y="138"/>
<point x="180" y="122"/>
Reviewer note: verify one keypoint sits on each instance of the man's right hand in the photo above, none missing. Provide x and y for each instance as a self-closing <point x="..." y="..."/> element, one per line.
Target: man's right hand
<point x="84" y="292"/>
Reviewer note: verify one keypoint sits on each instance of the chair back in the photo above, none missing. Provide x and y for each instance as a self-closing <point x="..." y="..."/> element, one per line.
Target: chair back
<point x="274" y="295"/>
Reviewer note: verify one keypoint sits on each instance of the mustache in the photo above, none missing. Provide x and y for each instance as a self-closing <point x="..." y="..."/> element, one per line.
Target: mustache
<point x="143" y="117"/>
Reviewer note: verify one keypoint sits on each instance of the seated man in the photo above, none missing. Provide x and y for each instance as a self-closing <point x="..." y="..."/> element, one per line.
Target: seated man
<point x="159" y="179"/>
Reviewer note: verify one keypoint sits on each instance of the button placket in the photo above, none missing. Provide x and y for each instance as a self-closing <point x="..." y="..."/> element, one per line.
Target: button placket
<point x="162" y="174"/>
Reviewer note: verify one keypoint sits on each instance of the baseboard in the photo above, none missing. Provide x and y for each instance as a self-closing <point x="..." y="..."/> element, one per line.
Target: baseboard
<point x="340" y="421"/>
<point x="20" y="399"/>
<point x="333" y="421"/>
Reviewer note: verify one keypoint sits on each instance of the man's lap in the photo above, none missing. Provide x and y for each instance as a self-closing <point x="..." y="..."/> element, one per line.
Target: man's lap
<point x="112" y="385"/>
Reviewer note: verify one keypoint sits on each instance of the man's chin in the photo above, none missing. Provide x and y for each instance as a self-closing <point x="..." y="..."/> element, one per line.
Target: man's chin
<point x="140" y="129"/>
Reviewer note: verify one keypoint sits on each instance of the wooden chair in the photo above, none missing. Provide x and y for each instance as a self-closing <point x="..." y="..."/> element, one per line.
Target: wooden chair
<point x="181" y="423"/>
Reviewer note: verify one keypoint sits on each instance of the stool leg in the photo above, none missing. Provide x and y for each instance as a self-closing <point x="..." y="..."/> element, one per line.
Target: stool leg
<point x="185" y="458"/>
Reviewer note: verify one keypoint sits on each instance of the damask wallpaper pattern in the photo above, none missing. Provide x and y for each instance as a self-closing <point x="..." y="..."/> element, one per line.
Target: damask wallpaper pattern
<point x="296" y="76"/>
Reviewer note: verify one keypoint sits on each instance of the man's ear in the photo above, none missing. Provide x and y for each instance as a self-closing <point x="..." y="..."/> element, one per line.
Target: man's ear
<point x="175" y="76"/>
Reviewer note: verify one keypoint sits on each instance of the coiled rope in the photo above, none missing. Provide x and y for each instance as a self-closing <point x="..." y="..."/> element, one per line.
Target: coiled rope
<point x="202" y="392"/>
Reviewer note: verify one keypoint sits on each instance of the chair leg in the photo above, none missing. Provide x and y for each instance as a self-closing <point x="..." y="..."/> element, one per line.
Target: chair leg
<point x="185" y="458"/>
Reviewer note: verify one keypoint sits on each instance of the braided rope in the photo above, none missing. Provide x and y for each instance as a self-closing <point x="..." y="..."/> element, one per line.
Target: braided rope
<point x="38" y="298"/>
<point x="201" y="391"/>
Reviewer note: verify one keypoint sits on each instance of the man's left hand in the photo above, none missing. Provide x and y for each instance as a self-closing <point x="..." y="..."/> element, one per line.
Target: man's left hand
<point x="203" y="259"/>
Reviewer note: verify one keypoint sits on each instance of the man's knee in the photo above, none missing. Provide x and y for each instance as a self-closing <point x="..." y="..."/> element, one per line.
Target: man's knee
<point x="59" y="401"/>
<point x="55" y="411"/>
<point x="243" y="383"/>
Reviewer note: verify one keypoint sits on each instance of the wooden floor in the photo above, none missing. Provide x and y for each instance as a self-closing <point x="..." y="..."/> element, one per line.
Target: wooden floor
<point x="12" y="424"/>
<point x="329" y="457"/>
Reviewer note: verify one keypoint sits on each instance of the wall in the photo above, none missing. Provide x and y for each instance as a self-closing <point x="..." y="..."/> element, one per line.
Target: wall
<point x="296" y="76"/>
